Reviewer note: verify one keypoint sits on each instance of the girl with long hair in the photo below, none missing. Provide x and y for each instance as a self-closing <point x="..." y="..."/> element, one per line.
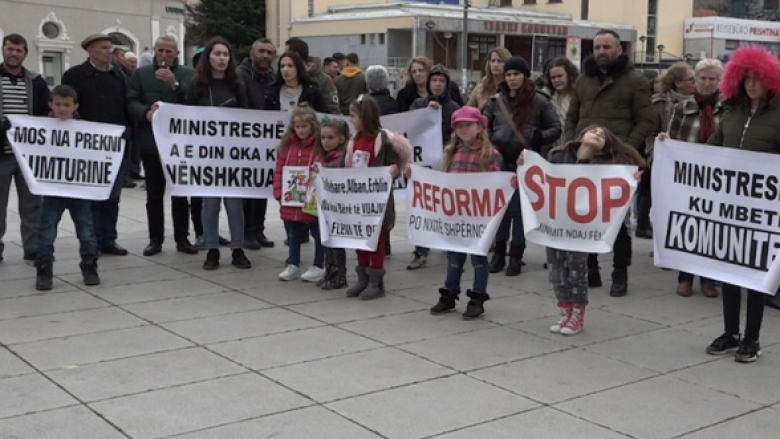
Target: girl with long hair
<point x="293" y="87"/>
<point x="494" y="75"/>
<point x="559" y="77"/>
<point x="469" y="150"/>
<point x="569" y="270"/>
<point x="217" y="84"/>
<point x="298" y="148"/>
<point x="519" y="117"/>
<point x="373" y="146"/>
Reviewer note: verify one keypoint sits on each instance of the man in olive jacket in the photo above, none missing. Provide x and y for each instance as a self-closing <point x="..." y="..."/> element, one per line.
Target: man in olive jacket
<point x="164" y="81"/>
<point x="611" y="93"/>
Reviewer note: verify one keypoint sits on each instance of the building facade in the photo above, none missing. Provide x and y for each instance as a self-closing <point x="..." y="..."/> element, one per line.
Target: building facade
<point x="54" y="29"/>
<point x="718" y="37"/>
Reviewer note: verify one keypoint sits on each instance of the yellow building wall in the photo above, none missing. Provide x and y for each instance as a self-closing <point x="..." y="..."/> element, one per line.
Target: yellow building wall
<point x="372" y="26"/>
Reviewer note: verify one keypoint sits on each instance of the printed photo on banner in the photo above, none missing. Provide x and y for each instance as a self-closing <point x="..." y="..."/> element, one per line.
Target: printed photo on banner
<point x="456" y="212"/>
<point x="352" y="205"/>
<point x="310" y="204"/>
<point x="720" y="215"/>
<point x="67" y="158"/>
<point x="218" y="151"/>
<point x="574" y="207"/>
<point x="296" y="181"/>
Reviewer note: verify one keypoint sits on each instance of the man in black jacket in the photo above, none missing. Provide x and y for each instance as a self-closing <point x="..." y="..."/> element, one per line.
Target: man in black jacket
<point x="257" y="74"/>
<point x="102" y="95"/>
<point x="22" y="91"/>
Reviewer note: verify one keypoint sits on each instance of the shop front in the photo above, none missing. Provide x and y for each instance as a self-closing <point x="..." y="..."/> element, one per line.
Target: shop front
<point x="718" y="37"/>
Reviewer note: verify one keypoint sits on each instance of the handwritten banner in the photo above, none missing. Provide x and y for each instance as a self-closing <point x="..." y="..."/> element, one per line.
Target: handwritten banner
<point x="231" y="152"/>
<point x="352" y="205"/>
<point x="67" y="158"/>
<point x="574" y="207"/>
<point x="456" y="212"/>
<point x="716" y="213"/>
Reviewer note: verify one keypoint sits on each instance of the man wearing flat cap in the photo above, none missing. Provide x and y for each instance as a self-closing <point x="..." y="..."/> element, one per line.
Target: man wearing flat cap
<point x="102" y="92"/>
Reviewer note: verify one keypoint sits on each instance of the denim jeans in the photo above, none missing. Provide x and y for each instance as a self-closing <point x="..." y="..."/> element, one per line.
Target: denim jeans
<point x="51" y="213"/>
<point x="512" y="218"/>
<point x="235" y="213"/>
<point x="455" y="262"/>
<point x="295" y="233"/>
<point x="105" y="214"/>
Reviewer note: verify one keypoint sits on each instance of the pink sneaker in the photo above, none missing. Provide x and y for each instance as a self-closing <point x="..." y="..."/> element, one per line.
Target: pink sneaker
<point x="576" y="322"/>
<point x="564" y="308"/>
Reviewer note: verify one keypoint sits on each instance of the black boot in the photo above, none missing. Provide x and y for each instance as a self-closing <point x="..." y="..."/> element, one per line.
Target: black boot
<point x="499" y="257"/>
<point x="594" y="274"/>
<point x="515" y="260"/>
<point x="89" y="272"/>
<point x="44" y="278"/>
<point x="446" y="303"/>
<point x="619" y="283"/>
<point x="773" y="302"/>
<point x="474" y="309"/>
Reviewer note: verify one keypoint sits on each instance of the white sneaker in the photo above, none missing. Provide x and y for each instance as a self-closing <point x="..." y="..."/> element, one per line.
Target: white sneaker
<point x="292" y="272"/>
<point x="313" y="274"/>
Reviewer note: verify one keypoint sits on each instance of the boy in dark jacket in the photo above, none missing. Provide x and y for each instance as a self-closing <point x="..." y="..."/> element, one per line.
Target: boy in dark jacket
<point x="438" y="97"/>
<point x="63" y="102"/>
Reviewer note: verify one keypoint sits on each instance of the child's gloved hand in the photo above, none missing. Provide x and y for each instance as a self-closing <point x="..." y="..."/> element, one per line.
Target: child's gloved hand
<point x="408" y="171"/>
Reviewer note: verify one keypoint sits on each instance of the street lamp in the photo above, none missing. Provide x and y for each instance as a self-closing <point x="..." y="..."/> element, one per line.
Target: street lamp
<point x="660" y="48"/>
<point x="643" y="39"/>
<point x="464" y="43"/>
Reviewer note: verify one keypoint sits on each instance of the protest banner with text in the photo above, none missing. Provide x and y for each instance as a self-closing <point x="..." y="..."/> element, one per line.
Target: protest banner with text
<point x="218" y="151"/>
<point x="456" y="212"/>
<point x="716" y="213"/>
<point x="352" y="205"/>
<point x="574" y="207"/>
<point x="230" y="152"/>
<point x="67" y="158"/>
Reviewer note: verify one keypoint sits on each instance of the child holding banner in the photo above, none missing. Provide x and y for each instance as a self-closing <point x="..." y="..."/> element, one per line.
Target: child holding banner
<point x="372" y="145"/>
<point x="63" y="102"/>
<point x="332" y="142"/>
<point x="295" y="157"/>
<point x="469" y="151"/>
<point x="569" y="270"/>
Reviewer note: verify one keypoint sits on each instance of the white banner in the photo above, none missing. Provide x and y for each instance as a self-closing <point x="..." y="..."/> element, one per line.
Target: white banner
<point x="230" y="152"/>
<point x="352" y="204"/>
<point x="574" y="207"/>
<point x="456" y="212"/>
<point x="67" y="158"/>
<point x="716" y="213"/>
<point x="218" y="151"/>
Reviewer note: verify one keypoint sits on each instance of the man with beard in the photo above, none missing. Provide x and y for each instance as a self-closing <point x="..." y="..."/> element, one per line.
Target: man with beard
<point x="164" y="81"/>
<point x="257" y="74"/>
<point x="22" y="91"/>
<point x="609" y="92"/>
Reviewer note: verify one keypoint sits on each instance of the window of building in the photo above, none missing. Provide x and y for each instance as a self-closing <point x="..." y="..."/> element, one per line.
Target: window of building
<point x="732" y="44"/>
<point x="372" y="39"/>
<point x="381" y="39"/>
<point x="556" y="48"/>
<point x="652" y="7"/>
<point x="554" y="1"/>
<point x="52" y="67"/>
<point x="310" y="8"/>
<point x="506" y="3"/>
<point x="771" y="4"/>
<point x="529" y="2"/>
<point x="50" y="30"/>
<point x="363" y="39"/>
<point x="584" y="9"/>
<point x="650" y="50"/>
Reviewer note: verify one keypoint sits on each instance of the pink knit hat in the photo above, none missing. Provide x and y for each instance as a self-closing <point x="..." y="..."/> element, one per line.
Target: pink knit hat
<point x="468" y="114"/>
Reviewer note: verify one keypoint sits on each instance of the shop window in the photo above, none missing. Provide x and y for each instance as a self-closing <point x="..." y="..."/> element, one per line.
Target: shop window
<point x="732" y="44"/>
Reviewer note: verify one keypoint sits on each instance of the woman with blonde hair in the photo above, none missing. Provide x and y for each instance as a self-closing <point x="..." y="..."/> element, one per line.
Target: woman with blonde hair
<point x="416" y="75"/>
<point x="494" y="75"/>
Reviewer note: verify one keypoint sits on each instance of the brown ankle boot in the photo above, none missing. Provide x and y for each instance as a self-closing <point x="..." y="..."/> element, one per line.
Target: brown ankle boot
<point x="708" y="289"/>
<point x="685" y="289"/>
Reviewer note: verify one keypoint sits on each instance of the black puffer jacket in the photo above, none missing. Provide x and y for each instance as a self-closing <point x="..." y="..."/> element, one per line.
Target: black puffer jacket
<point x="310" y="95"/>
<point x="544" y="129"/>
<point x="448" y="105"/>
<point x="387" y="105"/>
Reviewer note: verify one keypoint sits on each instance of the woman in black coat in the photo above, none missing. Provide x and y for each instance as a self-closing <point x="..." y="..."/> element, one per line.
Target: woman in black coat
<point x="293" y="87"/>
<point x="376" y="82"/>
<point x="417" y="76"/>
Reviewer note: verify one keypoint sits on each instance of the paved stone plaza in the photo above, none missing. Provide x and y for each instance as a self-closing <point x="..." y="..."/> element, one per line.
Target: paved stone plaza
<point x="164" y="349"/>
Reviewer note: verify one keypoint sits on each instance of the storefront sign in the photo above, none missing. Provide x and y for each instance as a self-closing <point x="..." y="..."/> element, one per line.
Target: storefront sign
<point x="508" y="27"/>
<point x="732" y="29"/>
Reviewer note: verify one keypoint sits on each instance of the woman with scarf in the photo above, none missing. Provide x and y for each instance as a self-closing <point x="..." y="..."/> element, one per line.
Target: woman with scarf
<point x="694" y="120"/>
<point x="677" y="86"/>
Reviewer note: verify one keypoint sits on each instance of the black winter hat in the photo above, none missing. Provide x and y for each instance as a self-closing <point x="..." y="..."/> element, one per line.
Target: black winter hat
<point x="517" y="63"/>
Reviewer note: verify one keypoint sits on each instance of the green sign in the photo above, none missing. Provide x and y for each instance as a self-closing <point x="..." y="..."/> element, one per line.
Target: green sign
<point x="174" y="10"/>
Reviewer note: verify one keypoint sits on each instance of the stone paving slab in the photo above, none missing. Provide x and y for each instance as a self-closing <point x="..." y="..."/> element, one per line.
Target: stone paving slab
<point x="164" y="349"/>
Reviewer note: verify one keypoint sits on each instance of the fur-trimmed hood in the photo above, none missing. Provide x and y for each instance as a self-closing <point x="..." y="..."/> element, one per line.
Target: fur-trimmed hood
<point x="750" y="59"/>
